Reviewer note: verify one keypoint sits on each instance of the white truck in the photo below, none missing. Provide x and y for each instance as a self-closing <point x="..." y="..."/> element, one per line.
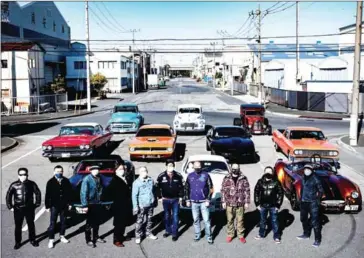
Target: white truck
<point x="152" y="81"/>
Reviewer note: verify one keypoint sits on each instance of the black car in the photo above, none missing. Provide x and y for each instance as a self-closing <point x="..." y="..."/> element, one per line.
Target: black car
<point x="231" y="142"/>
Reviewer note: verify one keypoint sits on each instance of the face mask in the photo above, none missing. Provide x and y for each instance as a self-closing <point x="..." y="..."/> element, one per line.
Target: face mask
<point x="120" y="172"/>
<point x="268" y="177"/>
<point x="198" y="170"/>
<point x="143" y="175"/>
<point x="22" y="178"/>
<point x="58" y="175"/>
<point x="308" y="172"/>
<point x="170" y="169"/>
<point x="94" y="172"/>
<point x="235" y="172"/>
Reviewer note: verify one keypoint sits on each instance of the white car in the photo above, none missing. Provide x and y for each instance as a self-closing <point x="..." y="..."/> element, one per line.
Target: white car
<point x="189" y="118"/>
<point x="217" y="167"/>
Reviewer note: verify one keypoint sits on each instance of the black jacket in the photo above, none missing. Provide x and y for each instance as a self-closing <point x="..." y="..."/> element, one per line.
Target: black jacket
<point x="58" y="194"/>
<point x="311" y="189"/>
<point x="268" y="194"/>
<point x="170" y="188"/>
<point x="21" y="195"/>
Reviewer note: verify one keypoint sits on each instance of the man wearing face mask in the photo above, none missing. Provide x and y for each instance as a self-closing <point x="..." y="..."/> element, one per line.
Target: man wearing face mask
<point x="311" y="194"/>
<point x="120" y="195"/>
<point x="57" y="201"/>
<point x="91" y="191"/>
<point x="198" y="192"/>
<point x="268" y="197"/>
<point x="144" y="202"/>
<point x="235" y="197"/>
<point x="20" y="200"/>
<point x="170" y="188"/>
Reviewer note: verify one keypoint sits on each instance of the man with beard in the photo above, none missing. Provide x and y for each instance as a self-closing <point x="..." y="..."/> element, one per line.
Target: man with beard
<point x="268" y="197"/>
<point x="235" y="197"/>
<point x="120" y="195"/>
<point x="311" y="194"/>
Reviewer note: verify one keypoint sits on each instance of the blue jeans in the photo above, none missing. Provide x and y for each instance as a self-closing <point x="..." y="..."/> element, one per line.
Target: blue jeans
<point x="171" y="219"/>
<point x="197" y="209"/>
<point x="274" y="220"/>
<point x="55" y="212"/>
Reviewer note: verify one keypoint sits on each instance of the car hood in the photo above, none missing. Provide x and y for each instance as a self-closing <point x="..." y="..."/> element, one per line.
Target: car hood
<point x="336" y="187"/>
<point x="187" y="116"/>
<point x="68" y="140"/>
<point x="252" y="119"/>
<point x="124" y="116"/>
<point x="152" y="141"/>
<point x="313" y="144"/>
<point x="233" y="142"/>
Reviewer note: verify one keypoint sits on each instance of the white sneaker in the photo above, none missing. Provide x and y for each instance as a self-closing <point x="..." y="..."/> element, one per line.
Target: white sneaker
<point x="137" y="241"/>
<point x="50" y="243"/>
<point x="64" y="240"/>
<point x="153" y="237"/>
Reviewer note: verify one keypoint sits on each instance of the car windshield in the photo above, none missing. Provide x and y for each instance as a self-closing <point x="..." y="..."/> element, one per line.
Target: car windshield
<point x="230" y="132"/>
<point x="298" y="135"/>
<point x="77" y="130"/>
<point x="254" y="112"/>
<point x="189" y="110"/>
<point x="214" y="167"/>
<point x="132" y="109"/>
<point x="157" y="132"/>
<point x="106" y="167"/>
<point x="318" y="167"/>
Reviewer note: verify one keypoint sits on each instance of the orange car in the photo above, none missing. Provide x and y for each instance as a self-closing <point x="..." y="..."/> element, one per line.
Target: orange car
<point x="303" y="142"/>
<point x="156" y="141"/>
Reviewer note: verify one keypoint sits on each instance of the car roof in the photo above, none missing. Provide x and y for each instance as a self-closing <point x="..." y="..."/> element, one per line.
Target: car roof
<point x="156" y="126"/>
<point x="227" y="127"/>
<point x="303" y="128"/>
<point x="251" y="106"/>
<point x="206" y="157"/>
<point x="189" y="106"/>
<point x="124" y="104"/>
<point x="82" y="124"/>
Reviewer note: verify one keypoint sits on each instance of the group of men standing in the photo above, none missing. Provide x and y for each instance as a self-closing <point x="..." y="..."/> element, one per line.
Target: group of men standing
<point x="141" y="197"/>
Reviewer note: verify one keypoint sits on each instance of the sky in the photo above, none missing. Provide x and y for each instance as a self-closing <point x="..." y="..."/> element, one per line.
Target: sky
<point x="110" y="20"/>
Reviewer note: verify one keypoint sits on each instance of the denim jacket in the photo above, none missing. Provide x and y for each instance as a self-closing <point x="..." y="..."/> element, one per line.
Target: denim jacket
<point x="91" y="191"/>
<point x="143" y="193"/>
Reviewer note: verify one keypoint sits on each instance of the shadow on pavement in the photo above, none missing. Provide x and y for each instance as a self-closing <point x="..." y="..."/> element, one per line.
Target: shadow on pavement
<point x="251" y="220"/>
<point x="26" y="128"/>
<point x="219" y="221"/>
<point x="285" y="219"/>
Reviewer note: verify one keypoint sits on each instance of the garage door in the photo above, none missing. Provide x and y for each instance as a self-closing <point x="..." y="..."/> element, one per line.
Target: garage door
<point x="48" y="74"/>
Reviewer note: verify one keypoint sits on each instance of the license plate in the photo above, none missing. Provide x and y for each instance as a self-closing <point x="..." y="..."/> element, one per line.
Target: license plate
<point x="151" y="156"/>
<point x="257" y="131"/>
<point x="352" y="208"/>
<point x="66" y="155"/>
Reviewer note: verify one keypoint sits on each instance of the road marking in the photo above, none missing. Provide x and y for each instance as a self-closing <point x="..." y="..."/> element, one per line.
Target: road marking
<point x="25" y="155"/>
<point x="37" y="216"/>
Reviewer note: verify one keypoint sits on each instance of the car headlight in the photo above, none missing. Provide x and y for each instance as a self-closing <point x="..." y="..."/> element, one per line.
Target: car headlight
<point x="134" y="125"/>
<point x="49" y="147"/>
<point x="199" y="117"/>
<point x="298" y="152"/>
<point x="169" y="149"/>
<point x="87" y="146"/>
<point x="202" y="121"/>
<point x="84" y="146"/>
<point x="44" y="147"/>
<point x="355" y="194"/>
<point x="333" y="153"/>
<point x="176" y="122"/>
<point x="132" y="149"/>
<point x="250" y="126"/>
<point x="264" y="126"/>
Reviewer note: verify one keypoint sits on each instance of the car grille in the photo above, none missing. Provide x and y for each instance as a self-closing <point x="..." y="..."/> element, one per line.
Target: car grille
<point x="189" y="125"/>
<point x="122" y="125"/>
<point x="257" y="125"/>
<point x="150" y="149"/>
<point x="309" y="153"/>
<point x="66" y="149"/>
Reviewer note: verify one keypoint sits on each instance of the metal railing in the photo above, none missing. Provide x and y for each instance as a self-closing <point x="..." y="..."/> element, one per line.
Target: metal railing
<point x="34" y="104"/>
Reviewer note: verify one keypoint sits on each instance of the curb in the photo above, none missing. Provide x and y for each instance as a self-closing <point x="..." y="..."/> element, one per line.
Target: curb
<point x="346" y="146"/>
<point x="11" y="146"/>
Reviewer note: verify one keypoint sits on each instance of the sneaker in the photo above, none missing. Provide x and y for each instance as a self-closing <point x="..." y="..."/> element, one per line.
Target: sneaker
<point x="303" y="237"/>
<point x="165" y="235"/>
<point x="210" y="240"/>
<point x="100" y="240"/>
<point x="258" y="237"/>
<point x="153" y="237"/>
<point x="316" y="243"/>
<point x="137" y="241"/>
<point x="175" y="238"/>
<point x="50" y="244"/>
<point x="229" y="239"/>
<point x="64" y="240"/>
<point x="243" y="240"/>
<point x="17" y="246"/>
<point x="196" y="239"/>
<point x="91" y="244"/>
<point x="277" y="240"/>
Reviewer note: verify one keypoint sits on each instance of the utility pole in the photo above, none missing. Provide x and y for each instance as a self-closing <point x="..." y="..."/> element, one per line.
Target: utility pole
<point x="297" y="47"/>
<point x="356" y="78"/>
<point x="88" y="81"/>
<point x="133" y="62"/>
<point x="259" y="70"/>
<point x="214" y="66"/>
<point x="144" y="71"/>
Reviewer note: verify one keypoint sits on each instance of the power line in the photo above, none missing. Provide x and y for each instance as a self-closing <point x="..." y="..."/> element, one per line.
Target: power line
<point x="278" y="11"/>
<point x="106" y="18"/>
<point x="126" y="31"/>
<point x="272" y="6"/>
<point x="283" y="4"/>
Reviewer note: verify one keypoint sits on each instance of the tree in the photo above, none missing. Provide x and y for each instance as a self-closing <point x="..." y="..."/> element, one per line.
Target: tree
<point x="98" y="81"/>
<point x="59" y="84"/>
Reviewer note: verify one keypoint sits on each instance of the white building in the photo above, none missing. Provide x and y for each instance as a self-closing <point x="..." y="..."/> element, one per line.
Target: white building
<point x="22" y="74"/>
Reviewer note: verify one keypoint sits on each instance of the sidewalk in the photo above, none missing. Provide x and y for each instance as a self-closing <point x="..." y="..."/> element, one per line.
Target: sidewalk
<point x="359" y="149"/>
<point x="8" y="143"/>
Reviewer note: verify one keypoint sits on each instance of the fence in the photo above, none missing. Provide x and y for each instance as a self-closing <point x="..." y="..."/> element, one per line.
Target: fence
<point x="34" y="104"/>
<point x="240" y="87"/>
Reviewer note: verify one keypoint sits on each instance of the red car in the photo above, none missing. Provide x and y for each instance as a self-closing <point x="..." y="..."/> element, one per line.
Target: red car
<point x="340" y="193"/>
<point x="77" y="140"/>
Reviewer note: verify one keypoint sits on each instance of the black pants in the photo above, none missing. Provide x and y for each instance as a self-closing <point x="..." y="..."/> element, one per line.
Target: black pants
<point x="119" y="231"/>
<point x="313" y="209"/>
<point x="93" y="222"/>
<point x="55" y="212"/>
<point x="19" y="214"/>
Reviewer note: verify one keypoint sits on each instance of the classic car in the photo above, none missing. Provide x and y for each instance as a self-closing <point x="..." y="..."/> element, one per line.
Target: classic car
<point x="217" y="167"/>
<point x="77" y="140"/>
<point x="189" y="118"/>
<point x="125" y="118"/>
<point x="231" y="142"/>
<point x="252" y="118"/>
<point x="340" y="193"/>
<point x="155" y="141"/>
<point x="107" y="171"/>
<point x="303" y="142"/>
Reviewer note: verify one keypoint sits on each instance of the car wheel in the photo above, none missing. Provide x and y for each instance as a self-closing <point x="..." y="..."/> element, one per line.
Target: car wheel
<point x="254" y="158"/>
<point x="276" y="147"/>
<point x="237" y="122"/>
<point x="207" y="146"/>
<point x="295" y="204"/>
<point x="269" y="130"/>
<point x="132" y="158"/>
<point x="52" y="159"/>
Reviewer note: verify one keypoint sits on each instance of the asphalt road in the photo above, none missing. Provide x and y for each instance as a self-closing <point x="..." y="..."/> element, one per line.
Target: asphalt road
<point x="342" y="234"/>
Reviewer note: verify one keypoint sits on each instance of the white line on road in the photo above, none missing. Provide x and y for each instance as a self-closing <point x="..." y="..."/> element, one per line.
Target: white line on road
<point x="37" y="216"/>
<point x="16" y="160"/>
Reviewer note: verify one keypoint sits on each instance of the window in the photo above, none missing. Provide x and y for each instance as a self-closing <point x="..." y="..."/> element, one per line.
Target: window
<point x="44" y="22"/>
<point x="62" y="28"/>
<point x="31" y="63"/>
<point x="106" y="64"/>
<point x="33" y="18"/>
<point x="80" y="65"/>
<point x="49" y="13"/>
<point x="54" y="26"/>
<point x="111" y="64"/>
<point x="122" y="65"/>
<point x="4" y="63"/>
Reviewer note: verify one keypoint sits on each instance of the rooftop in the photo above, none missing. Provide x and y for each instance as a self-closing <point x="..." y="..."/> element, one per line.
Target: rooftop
<point x="19" y="46"/>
